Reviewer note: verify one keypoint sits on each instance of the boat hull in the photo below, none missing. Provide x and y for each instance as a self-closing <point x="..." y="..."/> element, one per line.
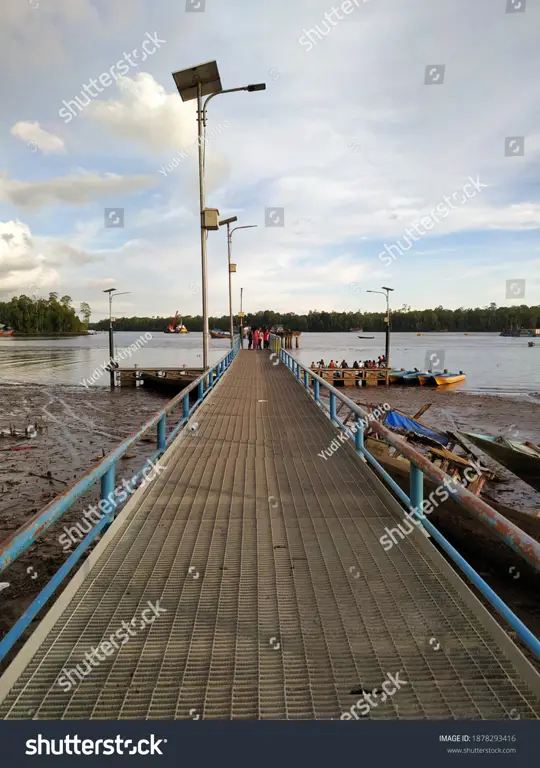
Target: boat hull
<point x="449" y="379"/>
<point x="524" y="465"/>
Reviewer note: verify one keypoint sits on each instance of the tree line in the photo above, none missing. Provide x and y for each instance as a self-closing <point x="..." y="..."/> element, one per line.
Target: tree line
<point x="40" y="316"/>
<point x="488" y="318"/>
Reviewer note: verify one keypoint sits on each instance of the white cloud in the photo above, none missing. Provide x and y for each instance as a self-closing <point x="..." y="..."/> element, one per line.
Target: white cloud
<point x="38" y="138"/>
<point x="22" y="269"/>
<point x="75" y="189"/>
<point x="145" y="113"/>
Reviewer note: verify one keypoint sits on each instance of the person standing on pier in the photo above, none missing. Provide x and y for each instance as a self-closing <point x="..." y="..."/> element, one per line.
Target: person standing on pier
<point x="256" y="338"/>
<point x="266" y="338"/>
<point x="250" y="338"/>
<point x="260" y="339"/>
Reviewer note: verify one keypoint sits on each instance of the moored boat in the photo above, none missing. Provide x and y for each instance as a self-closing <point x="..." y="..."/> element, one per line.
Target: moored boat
<point x="449" y="378"/>
<point x="217" y="333"/>
<point x="412" y="377"/>
<point x="523" y="459"/>
<point x="428" y="378"/>
<point x="177" y="326"/>
<point x="6" y="331"/>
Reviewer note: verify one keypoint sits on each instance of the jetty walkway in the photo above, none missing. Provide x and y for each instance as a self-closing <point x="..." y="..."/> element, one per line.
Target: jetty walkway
<point x="270" y="593"/>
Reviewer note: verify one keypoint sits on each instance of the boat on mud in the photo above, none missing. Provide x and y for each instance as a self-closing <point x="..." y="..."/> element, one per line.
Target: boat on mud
<point x="5" y="331"/>
<point x="522" y="459"/>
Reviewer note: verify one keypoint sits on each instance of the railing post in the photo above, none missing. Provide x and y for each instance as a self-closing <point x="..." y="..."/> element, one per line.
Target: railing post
<point x="185" y="407"/>
<point x="162" y="433"/>
<point x="200" y="390"/>
<point x="306" y="380"/>
<point x="316" y="386"/>
<point x="359" y="435"/>
<point x="298" y="371"/>
<point x="332" y="406"/>
<point x="416" y="488"/>
<point x="212" y="379"/>
<point x="107" y="490"/>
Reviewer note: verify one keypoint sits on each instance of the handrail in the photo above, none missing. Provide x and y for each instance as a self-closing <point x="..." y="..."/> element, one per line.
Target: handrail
<point x="518" y="540"/>
<point x="20" y="540"/>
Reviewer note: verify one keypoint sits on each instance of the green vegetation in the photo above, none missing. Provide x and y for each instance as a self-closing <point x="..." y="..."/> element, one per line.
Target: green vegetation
<point x="41" y="316"/>
<point x="490" y="318"/>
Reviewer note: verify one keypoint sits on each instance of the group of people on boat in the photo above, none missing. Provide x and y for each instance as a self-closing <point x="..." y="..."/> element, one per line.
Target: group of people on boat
<point x="379" y="363"/>
<point x="259" y="338"/>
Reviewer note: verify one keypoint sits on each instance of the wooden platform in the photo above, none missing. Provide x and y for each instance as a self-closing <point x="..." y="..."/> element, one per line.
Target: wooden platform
<point x="354" y="377"/>
<point x="131" y="377"/>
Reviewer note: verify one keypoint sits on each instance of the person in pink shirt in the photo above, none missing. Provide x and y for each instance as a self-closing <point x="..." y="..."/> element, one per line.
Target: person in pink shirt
<point x="255" y="339"/>
<point x="266" y="338"/>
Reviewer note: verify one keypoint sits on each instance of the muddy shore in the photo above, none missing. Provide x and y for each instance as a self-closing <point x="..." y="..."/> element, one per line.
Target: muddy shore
<point x="78" y="426"/>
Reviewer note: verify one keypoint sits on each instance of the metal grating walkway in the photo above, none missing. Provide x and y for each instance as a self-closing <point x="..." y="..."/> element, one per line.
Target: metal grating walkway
<point x="279" y="599"/>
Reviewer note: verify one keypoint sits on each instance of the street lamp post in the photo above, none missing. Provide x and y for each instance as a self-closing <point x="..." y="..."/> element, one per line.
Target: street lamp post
<point x="194" y="83"/>
<point x="111" y="291"/>
<point x="387" y="294"/>
<point x="230" y="231"/>
<point x="241" y="319"/>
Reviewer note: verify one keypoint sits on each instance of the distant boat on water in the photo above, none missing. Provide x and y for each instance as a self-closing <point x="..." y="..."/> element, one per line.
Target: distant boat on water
<point x="366" y="337"/>
<point x="217" y="333"/>
<point x="176" y="326"/>
<point x="5" y="331"/>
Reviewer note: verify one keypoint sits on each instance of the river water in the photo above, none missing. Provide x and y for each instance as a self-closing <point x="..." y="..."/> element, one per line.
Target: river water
<point x="493" y="364"/>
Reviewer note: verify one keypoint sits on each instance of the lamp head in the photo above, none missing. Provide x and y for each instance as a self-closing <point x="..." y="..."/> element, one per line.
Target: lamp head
<point x="228" y="221"/>
<point x="256" y="87"/>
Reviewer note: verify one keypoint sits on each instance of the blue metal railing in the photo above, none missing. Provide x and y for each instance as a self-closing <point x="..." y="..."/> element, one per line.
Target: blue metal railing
<point x="420" y="465"/>
<point x="23" y="538"/>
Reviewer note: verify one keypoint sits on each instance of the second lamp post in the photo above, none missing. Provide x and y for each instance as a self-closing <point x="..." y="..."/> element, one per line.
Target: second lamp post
<point x="232" y="267"/>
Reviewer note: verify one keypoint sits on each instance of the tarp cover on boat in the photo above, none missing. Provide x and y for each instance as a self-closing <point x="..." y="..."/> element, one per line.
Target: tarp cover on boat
<point x="399" y="421"/>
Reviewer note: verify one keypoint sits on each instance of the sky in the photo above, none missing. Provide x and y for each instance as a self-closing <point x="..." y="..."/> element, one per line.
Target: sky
<point x="396" y="144"/>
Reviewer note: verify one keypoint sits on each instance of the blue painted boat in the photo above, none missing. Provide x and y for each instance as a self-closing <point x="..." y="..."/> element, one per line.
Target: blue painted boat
<point x="428" y="378"/>
<point x="412" y="377"/>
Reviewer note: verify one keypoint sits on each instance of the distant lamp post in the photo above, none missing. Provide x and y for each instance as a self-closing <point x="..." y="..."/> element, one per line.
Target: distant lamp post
<point x="387" y="320"/>
<point x="112" y="294"/>
<point x="232" y="267"/>
<point x="194" y="83"/>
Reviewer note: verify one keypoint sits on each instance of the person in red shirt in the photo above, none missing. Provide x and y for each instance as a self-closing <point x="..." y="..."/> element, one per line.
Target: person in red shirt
<point x="266" y="337"/>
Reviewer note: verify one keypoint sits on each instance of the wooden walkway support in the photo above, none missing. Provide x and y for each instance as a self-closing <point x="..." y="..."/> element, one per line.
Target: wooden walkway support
<point x="276" y="598"/>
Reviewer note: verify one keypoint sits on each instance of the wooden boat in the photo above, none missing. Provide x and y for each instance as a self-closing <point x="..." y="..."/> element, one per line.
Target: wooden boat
<point x="449" y="378"/>
<point x="395" y="376"/>
<point x="366" y="337"/>
<point x="412" y="376"/>
<point x="523" y="459"/>
<point x="217" y="333"/>
<point x="419" y="334"/>
<point x="176" y="326"/>
<point x="428" y="378"/>
<point x="168" y="384"/>
<point x="5" y="331"/>
<point x="531" y="344"/>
